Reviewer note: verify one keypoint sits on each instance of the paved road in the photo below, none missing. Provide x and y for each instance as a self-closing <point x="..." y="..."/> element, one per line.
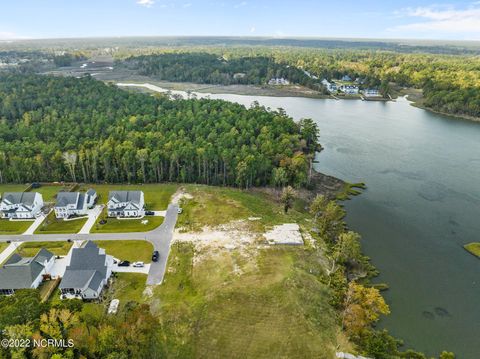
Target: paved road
<point x="160" y="237"/>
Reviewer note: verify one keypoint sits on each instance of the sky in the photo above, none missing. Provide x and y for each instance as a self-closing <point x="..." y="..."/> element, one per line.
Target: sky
<point x="407" y="19"/>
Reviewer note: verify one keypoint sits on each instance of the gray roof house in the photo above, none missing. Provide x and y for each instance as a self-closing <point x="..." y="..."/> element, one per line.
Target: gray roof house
<point x="87" y="274"/>
<point x="24" y="272"/>
<point x="21" y="205"/>
<point x="74" y="203"/>
<point x="126" y="204"/>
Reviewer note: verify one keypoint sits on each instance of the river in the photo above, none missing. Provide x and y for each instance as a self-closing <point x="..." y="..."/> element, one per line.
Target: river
<point x="422" y="204"/>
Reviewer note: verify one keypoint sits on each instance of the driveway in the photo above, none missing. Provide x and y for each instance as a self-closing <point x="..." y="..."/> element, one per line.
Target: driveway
<point x="92" y="218"/>
<point x="7" y="252"/>
<point x="131" y="269"/>
<point x="38" y="221"/>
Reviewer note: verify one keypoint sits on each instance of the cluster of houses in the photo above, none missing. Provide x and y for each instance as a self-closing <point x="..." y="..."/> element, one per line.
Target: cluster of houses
<point x="85" y="276"/>
<point x="28" y="205"/>
<point x="89" y="268"/>
<point x="278" y="81"/>
<point x="350" y="88"/>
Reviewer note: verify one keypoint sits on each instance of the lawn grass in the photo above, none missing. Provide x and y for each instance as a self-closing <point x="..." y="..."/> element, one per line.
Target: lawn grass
<point x="128" y="287"/>
<point x="14" y="227"/>
<point x="12" y="188"/>
<point x="30" y="249"/>
<point x="53" y="225"/>
<point x="115" y="225"/>
<point x="49" y="192"/>
<point x="268" y="305"/>
<point x="213" y="206"/>
<point x="157" y="196"/>
<point x="132" y="251"/>
<point x="473" y="248"/>
<point x="47" y="289"/>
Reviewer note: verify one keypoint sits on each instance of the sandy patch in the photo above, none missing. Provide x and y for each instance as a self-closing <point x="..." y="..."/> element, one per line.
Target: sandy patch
<point x="288" y="233"/>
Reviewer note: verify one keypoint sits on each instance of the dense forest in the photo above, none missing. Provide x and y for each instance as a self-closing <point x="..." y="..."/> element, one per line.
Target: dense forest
<point x="212" y="69"/>
<point x="450" y="84"/>
<point x="54" y="129"/>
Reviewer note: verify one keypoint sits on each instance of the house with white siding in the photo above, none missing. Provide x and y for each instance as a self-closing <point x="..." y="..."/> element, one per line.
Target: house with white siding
<point x="74" y="203"/>
<point x="21" y="205"/>
<point x="126" y="204"/>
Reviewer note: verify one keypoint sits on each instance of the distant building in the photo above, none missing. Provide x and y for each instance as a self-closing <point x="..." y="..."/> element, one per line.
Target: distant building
<point x="25" y="273"/>
<point x="126" y="204"/>
<point x="279" y="82"/>
<point x="346" y="78"/>
<point x="74" y="203"/>
<point x="350" y="89"/>
<point x="21" y="205"/>
<point x="87" y="273"/>
<point x="330" y="86"/>
<point x="371" y="93"/>
<point x="239" y="75"/>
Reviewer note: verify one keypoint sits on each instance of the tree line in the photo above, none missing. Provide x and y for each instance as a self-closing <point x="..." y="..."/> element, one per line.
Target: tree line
<point x="63" y="129"/>
<point x="206" y="68"/>
<point x="450" y="84"/>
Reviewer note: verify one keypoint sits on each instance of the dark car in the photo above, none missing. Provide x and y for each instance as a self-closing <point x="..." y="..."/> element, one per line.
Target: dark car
<point x="102" y="221"/>
<point x="155" y="256"/>
<point x="124" y="264"/>
<point x="149" y="213"/>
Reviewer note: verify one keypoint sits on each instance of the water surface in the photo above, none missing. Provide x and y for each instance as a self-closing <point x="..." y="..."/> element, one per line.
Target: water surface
<point x="422" y="204"/>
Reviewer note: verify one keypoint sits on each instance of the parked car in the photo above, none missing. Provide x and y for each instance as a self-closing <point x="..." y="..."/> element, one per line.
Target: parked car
<point x="149" y="213"/>
<point x="138" y="264"/>
<point x="155" y="256"/>
<point x="124" y="264"/>
<point x="179" y="210"/>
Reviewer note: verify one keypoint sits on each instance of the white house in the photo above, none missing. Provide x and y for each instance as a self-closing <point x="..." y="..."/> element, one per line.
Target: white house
<point x="25" y="273"/>
<point x="21" y="205"/>
<point x="278" y="81"/>
<point x="74" y="203"/>
<point x="331" y="86"/>
<point x="87" y="273"/>
<point x="126" y="204"/>
<point x="371" y="93"/>
<point x="350" y="89"/>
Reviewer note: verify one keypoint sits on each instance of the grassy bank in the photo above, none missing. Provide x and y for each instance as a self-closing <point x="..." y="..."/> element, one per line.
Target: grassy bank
<point x="245" y="307"/>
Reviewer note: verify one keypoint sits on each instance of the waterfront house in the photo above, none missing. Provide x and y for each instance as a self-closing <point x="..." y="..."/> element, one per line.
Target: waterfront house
<point x="21" y="205"/>
<point x="74" y="203"/>
<point x="346" y="78"/>
<point x="279" y="82"/>
<point x="371" y="93"/>
<point x="350" y="89"/>
<point x="126" y="204"/>
<point x="25" y="273"/>
<point x="87" y="273"/>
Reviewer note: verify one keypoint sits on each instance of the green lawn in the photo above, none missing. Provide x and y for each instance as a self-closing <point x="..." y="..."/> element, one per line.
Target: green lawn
<point x="212" y="206"/>
<point x="473" y="248"/>
<point x="114" y="225"/>
<point x="30" y="249"/>
<point x="157" y="196"/>
<point x="132" y="251"/>
<point x="49" y="192"/>
<point x="12" y="188"/>
<point x="14" y="227"/>
<point x="54" y="225"/>
<point x="274" y="308"/>
<point x="128" y="287"/>
<point x="3" y="245"/>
